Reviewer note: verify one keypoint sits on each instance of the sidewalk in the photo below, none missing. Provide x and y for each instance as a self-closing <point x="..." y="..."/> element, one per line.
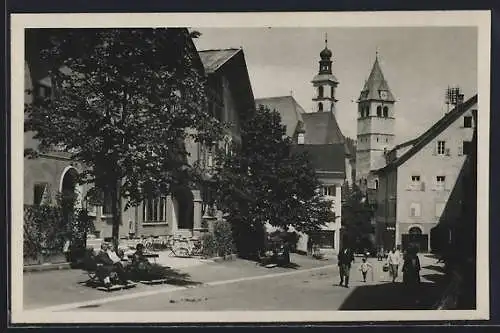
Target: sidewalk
<point x="49" y="288"/>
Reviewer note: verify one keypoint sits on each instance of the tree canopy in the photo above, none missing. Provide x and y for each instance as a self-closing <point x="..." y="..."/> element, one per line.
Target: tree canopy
<point x="123" y="103"/>
<point x="356" y="216"/>
<point x="280" y="185"/>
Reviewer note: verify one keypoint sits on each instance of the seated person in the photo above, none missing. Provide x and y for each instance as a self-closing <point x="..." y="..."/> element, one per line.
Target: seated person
<point x="139" y="261"/>
<point x="111" y="263"/>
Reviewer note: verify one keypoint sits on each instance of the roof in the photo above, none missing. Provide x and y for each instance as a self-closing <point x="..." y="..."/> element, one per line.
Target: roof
<point x="321" y="128"/>
<point x="431" y="133"/>
<point x="290" y="111"/>
<point x="326" y="158"/>
<point x="231" y="64"/>
<point x="375" y="83"/>
<point x="213" y="59"/>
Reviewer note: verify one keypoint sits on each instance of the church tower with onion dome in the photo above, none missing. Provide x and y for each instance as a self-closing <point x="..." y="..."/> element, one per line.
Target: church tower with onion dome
<point x="324" y="83"/>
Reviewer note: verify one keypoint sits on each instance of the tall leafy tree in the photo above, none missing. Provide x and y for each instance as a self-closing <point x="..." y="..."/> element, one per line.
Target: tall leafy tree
<point x="356" y="217"/>
<point x="278" y="185"/>
<point x="124" y="101"/>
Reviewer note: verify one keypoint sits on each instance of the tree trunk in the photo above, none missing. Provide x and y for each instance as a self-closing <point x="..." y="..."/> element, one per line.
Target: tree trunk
<point x="116" y="212"/>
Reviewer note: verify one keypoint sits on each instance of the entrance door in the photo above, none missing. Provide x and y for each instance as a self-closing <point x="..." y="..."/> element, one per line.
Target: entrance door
<point x="414" y="237"/>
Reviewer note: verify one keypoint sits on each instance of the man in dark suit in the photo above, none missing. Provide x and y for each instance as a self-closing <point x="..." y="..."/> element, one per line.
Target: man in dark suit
<point x="345" y="259"/>
<point x="111" y="263"/>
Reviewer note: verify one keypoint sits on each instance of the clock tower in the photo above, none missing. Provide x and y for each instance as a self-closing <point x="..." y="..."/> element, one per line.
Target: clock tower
<point x="376" y="120"/>
<point x="324" y="83"/>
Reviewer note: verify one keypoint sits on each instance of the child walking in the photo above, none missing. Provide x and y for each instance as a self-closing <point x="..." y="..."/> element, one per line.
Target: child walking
<point x="364" y="268"/>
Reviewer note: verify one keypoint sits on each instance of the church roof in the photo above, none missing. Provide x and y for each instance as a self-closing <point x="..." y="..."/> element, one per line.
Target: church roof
<point x="321" y="128"/>
<point x="375" y="83"/>
<point x="213" y="59"/>
<point x="426" y="137"/>
<point x="327" y="158"/>
<point x="290" y="111"/>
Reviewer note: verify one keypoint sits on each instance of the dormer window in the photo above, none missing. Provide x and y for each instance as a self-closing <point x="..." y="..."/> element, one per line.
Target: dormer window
<point x="43" y="91"/>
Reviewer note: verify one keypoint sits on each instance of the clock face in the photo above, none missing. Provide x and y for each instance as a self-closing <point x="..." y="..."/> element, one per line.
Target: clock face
<point x="383" y="94"/>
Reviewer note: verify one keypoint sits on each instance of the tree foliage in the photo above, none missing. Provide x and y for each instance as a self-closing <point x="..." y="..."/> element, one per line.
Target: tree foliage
<point x="124" y="101"/>
<point x="356" y="216"/>
<point x="279" y="185"/>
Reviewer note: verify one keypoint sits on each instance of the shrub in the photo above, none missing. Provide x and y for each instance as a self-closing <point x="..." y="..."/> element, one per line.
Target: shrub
<point x="48" y="227"/>
<point x="220" y="241"/>
<point x="209" y="245"/>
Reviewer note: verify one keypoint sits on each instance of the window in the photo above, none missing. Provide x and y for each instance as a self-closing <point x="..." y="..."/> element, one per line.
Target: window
<point x="320" y="92"/>
<point x="332" y="92"/>
<point x="468" y="121"/>
<point x="386" y="140"/>
<point x="107" y="204"/>
<point x="300" y="139"/>
<point x="377" y="138"/>
<point x="441" y="147"/>
<point x="320" y="106"/>
<point x="386" y="112"/>
<point x="466" y="147"/>
<point x="415" y="209"/>
<point x="155" y="210"/>
<point x="415" y="184"/>
<point x="41" y="193"/>
<point x="376" y="184"/>
<point x="440" y="181"/>
<point x="43" y="91"/>
<point x="379" y="111"/>
<point x="439" y="208"/>
<point x="329" y="190"/>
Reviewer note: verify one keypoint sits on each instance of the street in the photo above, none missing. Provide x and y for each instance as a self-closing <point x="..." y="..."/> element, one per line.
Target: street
<point x="240" y="285"/>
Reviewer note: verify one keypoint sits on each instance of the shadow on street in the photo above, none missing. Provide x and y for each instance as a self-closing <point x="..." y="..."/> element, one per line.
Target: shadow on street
<point x="392" y="296"/>
<point x="436" y="268"/>
<point x="173" y="277"/>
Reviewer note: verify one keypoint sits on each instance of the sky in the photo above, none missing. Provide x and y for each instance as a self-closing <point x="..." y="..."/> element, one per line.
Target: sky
<point x="419" y="63"/>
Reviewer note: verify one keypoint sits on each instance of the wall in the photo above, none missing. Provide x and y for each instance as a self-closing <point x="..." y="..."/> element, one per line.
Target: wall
<point x="428" y="164"/>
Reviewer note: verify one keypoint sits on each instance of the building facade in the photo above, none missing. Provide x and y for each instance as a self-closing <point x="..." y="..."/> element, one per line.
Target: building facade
<point x="420" y="185"/>
<point x="230" y="95"/>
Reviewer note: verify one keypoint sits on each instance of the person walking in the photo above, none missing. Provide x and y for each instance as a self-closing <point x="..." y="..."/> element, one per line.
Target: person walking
<point x="411" y="267"/>
<point x="364" y="268"/>
<point x="345" y="259"/>
<point x="393" y="259"/>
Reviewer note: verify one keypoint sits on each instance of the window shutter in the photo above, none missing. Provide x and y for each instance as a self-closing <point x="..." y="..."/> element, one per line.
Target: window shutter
<point x="435" y="149"/>
<point x="422" y="186"/>
<point x="460" y="150"/>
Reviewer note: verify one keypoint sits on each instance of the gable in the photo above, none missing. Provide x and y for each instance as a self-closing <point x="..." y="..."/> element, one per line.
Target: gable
<point x="448" y="121"/>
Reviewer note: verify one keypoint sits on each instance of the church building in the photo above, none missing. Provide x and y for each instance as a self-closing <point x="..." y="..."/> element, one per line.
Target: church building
<point x="375" y="130"/>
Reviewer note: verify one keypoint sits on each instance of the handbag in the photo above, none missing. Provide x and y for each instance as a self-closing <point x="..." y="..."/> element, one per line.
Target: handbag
<point x="385" y="268"/>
